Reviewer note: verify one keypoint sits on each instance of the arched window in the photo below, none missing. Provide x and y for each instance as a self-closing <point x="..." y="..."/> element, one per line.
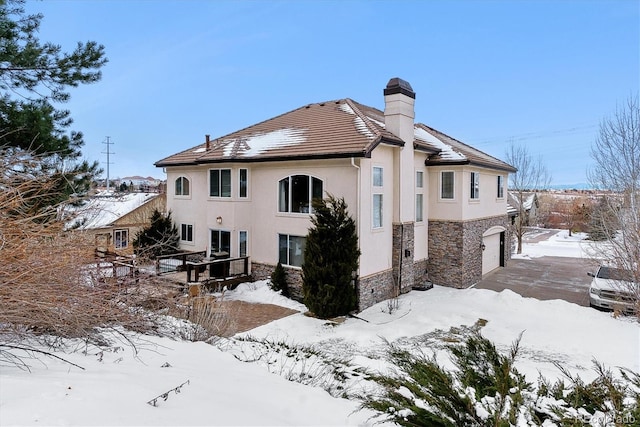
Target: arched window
<point x="296" y="192"/>
<point x="182" y="186"/>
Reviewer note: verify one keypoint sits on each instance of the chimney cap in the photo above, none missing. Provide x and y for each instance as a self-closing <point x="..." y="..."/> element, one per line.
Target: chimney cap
<point x="397" y="85"/>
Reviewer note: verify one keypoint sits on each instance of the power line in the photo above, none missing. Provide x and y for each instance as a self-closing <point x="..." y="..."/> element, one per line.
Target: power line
<point x="108" y="143"/>
<point x="534" y="135"/>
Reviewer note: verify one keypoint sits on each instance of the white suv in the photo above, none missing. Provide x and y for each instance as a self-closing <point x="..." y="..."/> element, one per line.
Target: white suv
<point x="613" y="289"/>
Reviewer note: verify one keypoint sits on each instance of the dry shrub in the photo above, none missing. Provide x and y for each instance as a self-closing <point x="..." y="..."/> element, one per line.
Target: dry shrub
<point x="45" y="286"/>
<point x="208" y="318"/>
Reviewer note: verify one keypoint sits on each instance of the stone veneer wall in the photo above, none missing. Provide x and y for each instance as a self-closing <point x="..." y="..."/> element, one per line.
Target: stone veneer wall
<point x="445" y="253"/>
<point x="261" y="271"/>
<point x="375" y="288"/>
<point x="455" y="254"/>
<point x="402" y="264"/>
<point x="420" y="269"/>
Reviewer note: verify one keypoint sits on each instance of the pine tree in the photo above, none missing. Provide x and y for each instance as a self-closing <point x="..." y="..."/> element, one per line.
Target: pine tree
<point x="34" y="77"/>
<point x="330" y="260"/>
<point x="159" y="238"/>
<point x="279" y="280"/>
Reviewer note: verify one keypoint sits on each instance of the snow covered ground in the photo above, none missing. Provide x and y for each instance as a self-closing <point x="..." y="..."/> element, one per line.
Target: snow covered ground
<point x="115" y="386"/>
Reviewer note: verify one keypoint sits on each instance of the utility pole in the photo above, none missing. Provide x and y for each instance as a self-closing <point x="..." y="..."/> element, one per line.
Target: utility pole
<point x="108" y="152"/>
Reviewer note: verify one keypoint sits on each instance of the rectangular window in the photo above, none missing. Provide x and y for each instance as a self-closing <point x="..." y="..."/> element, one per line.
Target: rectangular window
<point x="419" y="210"/>
<point x="242" y="243"/>
<point x="500" y="186"/>
<point x="242" y="188"/>
<point x="291" y="249"/>
<point x="377" y="176"/>
<point x="377" y="210"/>
<point x="475" y="185"/>
<point x="220" y="182"/>
<point x="220" y="242"/>
<point x="121" y="238"/>
<point x="186" y="232"/>
<point x="446" y="185"/>
<point x="419" y="179"/>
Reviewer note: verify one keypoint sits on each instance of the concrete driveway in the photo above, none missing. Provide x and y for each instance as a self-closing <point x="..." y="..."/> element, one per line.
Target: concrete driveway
<point x="544" y="278"/>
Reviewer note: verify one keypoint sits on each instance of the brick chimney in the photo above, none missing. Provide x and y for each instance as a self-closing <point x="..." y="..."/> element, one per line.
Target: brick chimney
<point x="207" y="142"/>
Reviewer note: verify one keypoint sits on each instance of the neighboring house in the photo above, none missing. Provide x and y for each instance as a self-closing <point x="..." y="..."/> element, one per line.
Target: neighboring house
<point x="530" y="206"/>
<point x="148" y="184"/>
<point x="115" y="218"/>
<point x="427" y="206"/>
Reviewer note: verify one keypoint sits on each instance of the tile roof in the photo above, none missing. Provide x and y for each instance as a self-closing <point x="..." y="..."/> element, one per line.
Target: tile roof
<point x="333" y="129"/>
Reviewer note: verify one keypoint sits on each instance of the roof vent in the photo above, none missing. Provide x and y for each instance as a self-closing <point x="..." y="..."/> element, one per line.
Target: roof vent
<point x="397" y="85"/>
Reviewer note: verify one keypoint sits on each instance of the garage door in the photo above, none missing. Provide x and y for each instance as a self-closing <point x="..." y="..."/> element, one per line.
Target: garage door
<point x="491" y="253"/>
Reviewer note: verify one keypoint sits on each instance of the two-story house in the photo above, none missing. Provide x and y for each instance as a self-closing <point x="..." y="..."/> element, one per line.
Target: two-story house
<point x="427" y="206"/>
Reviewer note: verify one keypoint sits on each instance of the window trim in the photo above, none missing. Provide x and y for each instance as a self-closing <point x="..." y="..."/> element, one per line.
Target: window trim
<point x="288" y="260"/>
<point x="453" y="186"/>
<point x="246" y="243"/>
<point x="420" y="180"/>
<point x="220" y="183"/>
<point x="115" y="239"/>
<point x="289" y="193"/>
<point x="500" y="194"/>
<point x="219" y="231"/>
<point x="421" y="196"/>
<point x="474" y="186"/>
<point x="187" y="225"/>
<point x="373" y="176"/>
<point x="374" y="225"/>
<point x="246" y="183"/>
<point x="182" y="178"/>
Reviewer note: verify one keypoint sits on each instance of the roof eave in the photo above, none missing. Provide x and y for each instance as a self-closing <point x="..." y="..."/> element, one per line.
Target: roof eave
<point x="263" y="159"/>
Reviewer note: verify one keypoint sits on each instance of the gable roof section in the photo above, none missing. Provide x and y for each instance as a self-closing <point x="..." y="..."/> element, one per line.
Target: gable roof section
<point x="105" y="209"/>
<point x="454" y="152"/>
<point x="332" y="129"/>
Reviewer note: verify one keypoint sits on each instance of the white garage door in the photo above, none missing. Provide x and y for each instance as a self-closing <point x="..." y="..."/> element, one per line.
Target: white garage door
<point x="491" y="253"/>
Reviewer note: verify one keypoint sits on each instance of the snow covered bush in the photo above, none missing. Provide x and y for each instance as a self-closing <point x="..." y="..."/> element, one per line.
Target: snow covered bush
<point x="485" y="389"/>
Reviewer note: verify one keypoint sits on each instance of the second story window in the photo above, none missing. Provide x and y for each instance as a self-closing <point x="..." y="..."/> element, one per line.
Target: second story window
<point x="475" y="185"/>
<point x="296" y="192"/>
<point x="500" y="186"/>
<point x="220" y="182"/>
<point x="182" y="186"/>
<point x="446" y="185"/>
<point x="377" y="177"/>
<point x="243" y="183"/>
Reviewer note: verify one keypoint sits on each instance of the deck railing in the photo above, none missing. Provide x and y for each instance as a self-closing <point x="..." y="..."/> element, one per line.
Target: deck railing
<point x="178" y="261"/>
<point x="217" y="269"/>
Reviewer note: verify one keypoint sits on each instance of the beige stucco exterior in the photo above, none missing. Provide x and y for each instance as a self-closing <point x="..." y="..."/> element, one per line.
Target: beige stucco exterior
<point x="399" y="247"/>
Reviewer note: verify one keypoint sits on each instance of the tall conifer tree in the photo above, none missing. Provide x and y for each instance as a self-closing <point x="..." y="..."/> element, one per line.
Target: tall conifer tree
<point x="330" y="260"/>
<point x="35" y="79"/>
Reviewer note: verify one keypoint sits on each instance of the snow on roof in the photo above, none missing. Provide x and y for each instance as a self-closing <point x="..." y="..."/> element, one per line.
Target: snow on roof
<point x="361" y="126"/>
<point x="260" y="142"/>
<point x="446" y="151"/>
<point x="106" y="207"/>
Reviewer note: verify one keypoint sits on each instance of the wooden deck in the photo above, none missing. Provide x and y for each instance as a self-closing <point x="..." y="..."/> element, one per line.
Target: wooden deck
<point x="213" y="274"/>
